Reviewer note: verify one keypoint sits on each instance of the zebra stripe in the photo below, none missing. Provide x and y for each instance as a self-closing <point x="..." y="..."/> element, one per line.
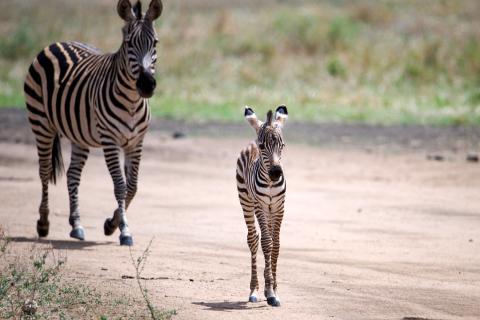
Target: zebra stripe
<point x="261" y="190"/>
<point x="94" y="100"/>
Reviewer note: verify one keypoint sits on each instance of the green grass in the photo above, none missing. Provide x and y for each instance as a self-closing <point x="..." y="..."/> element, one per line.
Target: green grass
<point x="344" y="61"/>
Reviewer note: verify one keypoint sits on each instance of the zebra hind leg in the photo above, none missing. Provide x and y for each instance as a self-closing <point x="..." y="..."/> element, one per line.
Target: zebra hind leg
<point x="74" y="173"/>
<point x="50" y="166"/>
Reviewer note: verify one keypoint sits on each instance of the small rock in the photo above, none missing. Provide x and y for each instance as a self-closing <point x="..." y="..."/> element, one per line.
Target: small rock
<point x="104" y="269"/>
<point x="415" y="143"/>
<point x="472" y="157"/>
<point x="191" y="280"/>
<point x="435" y="157"/>
<point x="30" y="307"/>
<point x="470" y="240"/>
<point x="178" y="135"/>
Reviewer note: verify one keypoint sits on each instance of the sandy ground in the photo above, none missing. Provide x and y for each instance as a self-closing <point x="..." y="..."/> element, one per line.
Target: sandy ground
<point x="367" y="234"/>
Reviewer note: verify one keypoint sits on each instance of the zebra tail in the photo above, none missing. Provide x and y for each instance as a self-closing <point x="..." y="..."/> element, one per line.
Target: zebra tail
<point x="57" y="160"/>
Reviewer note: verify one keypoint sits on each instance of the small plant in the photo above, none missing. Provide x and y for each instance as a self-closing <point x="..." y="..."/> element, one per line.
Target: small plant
<point x="3" y="242"/>
<point x="336" y="68"/>
<point x="31" y="286"/>
<point x="139" y="264"/>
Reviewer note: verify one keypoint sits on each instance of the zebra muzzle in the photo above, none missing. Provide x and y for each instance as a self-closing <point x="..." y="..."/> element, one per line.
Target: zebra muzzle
<point x="275" y="173"/>
<point x="146" y="84"/>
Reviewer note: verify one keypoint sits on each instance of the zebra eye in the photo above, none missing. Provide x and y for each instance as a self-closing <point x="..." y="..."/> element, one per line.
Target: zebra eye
<point x="261" y="146"/>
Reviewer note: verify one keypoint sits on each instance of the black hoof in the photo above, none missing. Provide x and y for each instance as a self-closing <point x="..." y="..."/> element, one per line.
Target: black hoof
<point x="42" y="228"/>
<point x="252" y="299"/>
<point x="126" y="240"/>
<point x="78" y="233"/>
<point x="108" y="227"/>
<point x="273" y="302"/>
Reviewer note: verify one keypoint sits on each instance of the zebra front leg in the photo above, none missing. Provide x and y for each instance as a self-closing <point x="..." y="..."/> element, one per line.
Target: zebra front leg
<point x="267" y="253"/>
<point x="132" y="164"/>
<point x="277" y="222"/>
<point x="252" y="240"/>
<point x="74" y="173"/>
<point x="119" y="219"/>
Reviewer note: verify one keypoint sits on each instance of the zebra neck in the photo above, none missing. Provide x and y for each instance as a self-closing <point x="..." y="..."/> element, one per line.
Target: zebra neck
<point x="124" y="83"/>
<point x="262" y="172"/>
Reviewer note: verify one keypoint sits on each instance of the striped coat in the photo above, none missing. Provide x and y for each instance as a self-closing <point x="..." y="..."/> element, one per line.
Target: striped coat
<point x="261" y="189"/>
<point x="94" y="100"/>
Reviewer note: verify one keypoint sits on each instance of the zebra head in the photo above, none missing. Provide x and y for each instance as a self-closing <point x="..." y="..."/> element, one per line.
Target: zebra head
<point x="269" y="138"/>
<point x="140" y="41"/>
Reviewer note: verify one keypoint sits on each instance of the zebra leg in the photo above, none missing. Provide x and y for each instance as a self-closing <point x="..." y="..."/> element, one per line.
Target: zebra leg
<point x="132" y="164"/>
<point x="252" y="240"/>
<point x="267" y="253"/>
<point x="74" y="173"/>
<point x="277" y="218"/>
<point x="44" y="148"/>
<point x="112" y="157"/>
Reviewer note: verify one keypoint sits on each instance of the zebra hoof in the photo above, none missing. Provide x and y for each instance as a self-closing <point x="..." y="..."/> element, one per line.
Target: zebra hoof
<point x="273" y="302"/>
<point x="42" y="228"/>
<point x="108" y="227"/>
<point x="252" y="299"/>
<point x="126" y="240"/>
<point x="78" y="233"/>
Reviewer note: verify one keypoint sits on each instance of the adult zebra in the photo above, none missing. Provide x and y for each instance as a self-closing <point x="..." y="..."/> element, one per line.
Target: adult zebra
<point x="94" y="100"/>
<point x="261" y="189"/>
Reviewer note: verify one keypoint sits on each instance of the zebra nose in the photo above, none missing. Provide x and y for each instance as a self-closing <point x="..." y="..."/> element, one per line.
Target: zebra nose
<point x="275" y="173"/>
<point x="146" y="84"/>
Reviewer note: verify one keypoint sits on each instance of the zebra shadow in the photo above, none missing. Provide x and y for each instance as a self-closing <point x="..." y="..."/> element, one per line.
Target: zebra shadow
<point x="61" y="244"/>
<point x="228" y="306"/>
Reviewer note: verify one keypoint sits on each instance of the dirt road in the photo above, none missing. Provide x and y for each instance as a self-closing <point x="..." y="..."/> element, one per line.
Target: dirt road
<point x="366" y="235"/>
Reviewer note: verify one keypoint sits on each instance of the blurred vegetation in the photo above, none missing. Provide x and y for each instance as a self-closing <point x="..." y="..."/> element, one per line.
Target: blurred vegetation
<point x="361" y="61"/>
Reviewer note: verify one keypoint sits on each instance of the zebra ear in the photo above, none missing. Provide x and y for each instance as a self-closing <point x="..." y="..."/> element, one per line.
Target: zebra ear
<point x="124" y="9"/>
<point x="252" y="118"/>
<point x="281" y="115"/>
<point x="154" y="10"/>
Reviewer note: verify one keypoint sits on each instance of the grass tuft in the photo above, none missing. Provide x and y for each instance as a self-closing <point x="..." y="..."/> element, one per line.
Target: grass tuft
<point x="33" y="285"/>
<point x="139" y="265"/>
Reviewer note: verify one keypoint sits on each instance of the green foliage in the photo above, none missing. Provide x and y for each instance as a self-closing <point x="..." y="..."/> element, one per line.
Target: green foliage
<point x="341" y="32"/>
<point x="300" y="31"/>
<point x="337" y="61"/>
<point x="336" y="68"/>
<point x="21" y="43"/>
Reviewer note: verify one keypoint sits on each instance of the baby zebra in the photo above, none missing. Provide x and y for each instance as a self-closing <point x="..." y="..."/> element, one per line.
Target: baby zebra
<point x="261" y="189"/>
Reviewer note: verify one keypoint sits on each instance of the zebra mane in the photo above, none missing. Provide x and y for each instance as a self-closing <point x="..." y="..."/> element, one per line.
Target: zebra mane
<point x="137" y="10"/>
<point x="269" y="118"/>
